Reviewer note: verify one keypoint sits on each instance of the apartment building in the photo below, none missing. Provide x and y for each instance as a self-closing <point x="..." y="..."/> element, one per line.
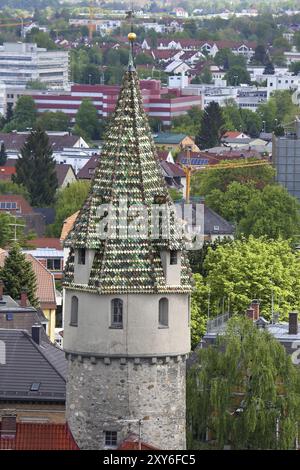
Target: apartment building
<point x="23" y="62"/>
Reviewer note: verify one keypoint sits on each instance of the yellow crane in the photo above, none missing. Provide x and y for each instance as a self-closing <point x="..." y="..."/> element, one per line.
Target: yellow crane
<point x="189" y="169"/>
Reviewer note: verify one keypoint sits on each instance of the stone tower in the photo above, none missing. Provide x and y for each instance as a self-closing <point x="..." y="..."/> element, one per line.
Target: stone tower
<point x="126" y="304"/>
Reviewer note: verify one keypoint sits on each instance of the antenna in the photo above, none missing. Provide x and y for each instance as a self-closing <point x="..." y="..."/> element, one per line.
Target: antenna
<point x="15" y="225"/>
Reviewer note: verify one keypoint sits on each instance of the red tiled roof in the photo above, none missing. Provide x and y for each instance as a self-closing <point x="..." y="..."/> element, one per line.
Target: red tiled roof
<point x="162" y="54"/>
<point x="86" y="171"/>
<point x="45" y="242"/>
<point x="31" y="436"/>
<point x="45" y="290"/>
<point x="233" y="134"/>
<point x="131" y="442"/>
<point x="6" y="172"/>
<point x="22" y="204"/>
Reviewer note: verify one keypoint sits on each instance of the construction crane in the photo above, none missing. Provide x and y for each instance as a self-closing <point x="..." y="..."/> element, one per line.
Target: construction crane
<point x="188" y="169"/>
<point x="91" y="24"/>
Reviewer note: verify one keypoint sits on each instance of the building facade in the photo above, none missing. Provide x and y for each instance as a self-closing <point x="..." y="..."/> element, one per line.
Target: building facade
<point x="286" y="159"/>
<point x="23" y="62"/>
<point x="126" y="301"/>
<point x="158" y="103"/>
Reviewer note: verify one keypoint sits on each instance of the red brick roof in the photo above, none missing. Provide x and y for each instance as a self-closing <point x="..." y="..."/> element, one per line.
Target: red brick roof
<point x="22" y="205"/>
<point x="31" y="436"/>
<point x="45" y="242"/>
<point x="131" y="442"/>
<point x="6" y="172"/>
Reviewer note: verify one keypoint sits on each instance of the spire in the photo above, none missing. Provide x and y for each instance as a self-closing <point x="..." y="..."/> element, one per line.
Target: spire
<point x="128" y="173"/>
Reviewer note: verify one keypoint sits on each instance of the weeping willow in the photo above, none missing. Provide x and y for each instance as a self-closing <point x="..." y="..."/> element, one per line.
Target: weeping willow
<point x="243" y="392"/>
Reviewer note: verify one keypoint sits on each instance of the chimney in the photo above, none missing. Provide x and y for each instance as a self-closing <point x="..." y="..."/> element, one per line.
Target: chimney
<point x="8" y="426"/>
<point x="293" y="323"/>
<point x="255" y="307"/>
<point x="36" y="333"/>
<point x="23" y="302"/>
<point x="250" y="313"/>
<point x="1" y="289"/>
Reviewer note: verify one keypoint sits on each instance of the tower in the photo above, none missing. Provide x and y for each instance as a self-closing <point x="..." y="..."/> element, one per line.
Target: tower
<point x="127" y="288"/>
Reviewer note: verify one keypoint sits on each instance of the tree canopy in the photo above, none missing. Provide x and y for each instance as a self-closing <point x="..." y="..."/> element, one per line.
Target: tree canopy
<point x="53" y="121"/>
<point x="35" y="169"/>
<point x="244" y="269"/>
<point x="69" y="200"/>
<point x="203" y="182"/>
<point x="86" y="121"/>
<point x="211" y="127"/>
<point x="17" y="274"/>
<point x="24" y="115"/>
<point x="243" y="392"/>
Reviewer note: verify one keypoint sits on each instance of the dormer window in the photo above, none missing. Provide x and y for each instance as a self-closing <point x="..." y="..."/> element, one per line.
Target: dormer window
<point x="173" y="257"/>
<point x="81" y="256"/>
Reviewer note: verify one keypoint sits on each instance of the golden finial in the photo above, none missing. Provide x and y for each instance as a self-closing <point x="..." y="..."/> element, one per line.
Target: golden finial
<point x="131" y="37"/>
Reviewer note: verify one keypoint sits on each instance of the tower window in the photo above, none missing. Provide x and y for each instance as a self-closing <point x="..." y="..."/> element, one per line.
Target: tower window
<point x="74" y="311"/>
<point x="111" y="438"/>
<point x="81" y="256"/>
<point x="117" y="313"/>
<point x="173" y="257"/>
<point x="163" y="313"/>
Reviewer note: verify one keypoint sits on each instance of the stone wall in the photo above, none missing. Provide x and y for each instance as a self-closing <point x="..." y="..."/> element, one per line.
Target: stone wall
<point x="103" y="393"/>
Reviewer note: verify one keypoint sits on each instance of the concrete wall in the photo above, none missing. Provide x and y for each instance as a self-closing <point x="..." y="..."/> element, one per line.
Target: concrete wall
<point x="140" y="335"/>
<point x="101" y="397"/>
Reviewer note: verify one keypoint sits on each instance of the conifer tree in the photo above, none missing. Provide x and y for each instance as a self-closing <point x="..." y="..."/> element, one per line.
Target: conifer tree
<point x="35" y="169"/>
<point x="3" y="155"/>
<point x="211" y="128"/>
<point x="17" y="274"/>
<point x="243" y="392"/>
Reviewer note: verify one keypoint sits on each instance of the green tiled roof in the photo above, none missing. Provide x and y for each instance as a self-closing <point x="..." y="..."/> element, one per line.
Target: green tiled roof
<point x="127" y="170"/>
<point x="169" y="138"/>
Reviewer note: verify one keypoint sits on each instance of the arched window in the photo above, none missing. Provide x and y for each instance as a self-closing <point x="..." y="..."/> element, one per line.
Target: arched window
<point x="74" y="311"/>
<point x="163" y="312"/>
<point x="117" y="313"/>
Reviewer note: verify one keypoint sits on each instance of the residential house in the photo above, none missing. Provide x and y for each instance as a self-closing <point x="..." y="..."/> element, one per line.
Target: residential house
<point x="17" y="206"/>
<point x="65" y="175"/>
<point x="51" y="258"/>
<point x="175" y="142"/>
<point x="45" y="291"/>
<point x="20" y="315"/>
<point x="32" y="378"/>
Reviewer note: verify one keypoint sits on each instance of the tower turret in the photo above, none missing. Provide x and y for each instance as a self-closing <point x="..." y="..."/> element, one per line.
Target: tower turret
<point x="127" y="286"/>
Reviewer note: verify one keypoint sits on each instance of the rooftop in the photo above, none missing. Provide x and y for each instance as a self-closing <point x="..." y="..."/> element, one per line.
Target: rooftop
<point x="28" y="363"/>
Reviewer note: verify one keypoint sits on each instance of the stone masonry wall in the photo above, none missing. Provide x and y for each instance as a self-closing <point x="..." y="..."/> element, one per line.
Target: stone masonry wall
<point x="104" y="394"/>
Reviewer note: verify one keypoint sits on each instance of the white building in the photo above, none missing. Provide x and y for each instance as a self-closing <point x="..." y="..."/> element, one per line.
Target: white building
<point x="23" y="62"/>
<point x="282" y="82"/>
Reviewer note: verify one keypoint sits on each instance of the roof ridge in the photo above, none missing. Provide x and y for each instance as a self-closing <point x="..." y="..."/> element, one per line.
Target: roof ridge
<point x="38" y="348"/>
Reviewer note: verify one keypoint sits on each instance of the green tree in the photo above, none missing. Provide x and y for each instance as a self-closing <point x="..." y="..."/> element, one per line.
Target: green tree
<point x="90" y="74"/>
<point x="272" y="212"/>
<point x="35" y="169"/>
<point x="211" y="127"/>
<point x="199" y="309"/>
<point x="297" y="40"/>
<point x="269" y="69"/>
<point x="36" y="85"/>
<point x="3" y="155"/>
<point x="225" y="59"/>
<point x="53" y="121"/>
<point x="69" y="200"/>
<point x="260" y="56"/>
<point x="295" y="67"/>
<point x="232" y="117"/>
<point x="17" y="274"/>
<point x="244" y="390"/>
<point x="8" y="187"/>
<point x="143" y="59"/>
<point x="232" y="203"/>
<point x="86" y="121"/>
<point x="237" y="75"/>
<point x="245" y="269"/>
<point x="252" y="122"/>
<point x="24" y="116"/>
<point x="204" y="77"/>
<point x="203" y="182"/>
